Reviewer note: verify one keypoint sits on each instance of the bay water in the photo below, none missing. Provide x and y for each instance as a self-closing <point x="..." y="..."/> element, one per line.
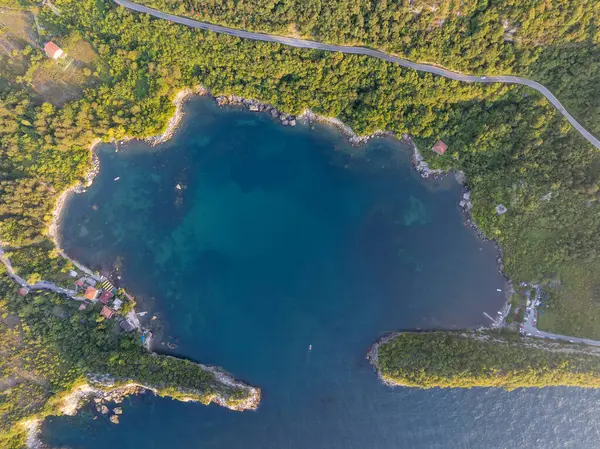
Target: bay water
<point x="281" y="254"/>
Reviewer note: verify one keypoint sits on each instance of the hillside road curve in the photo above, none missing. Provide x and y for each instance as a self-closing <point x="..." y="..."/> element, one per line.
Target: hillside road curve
<point x="303" y="43"/>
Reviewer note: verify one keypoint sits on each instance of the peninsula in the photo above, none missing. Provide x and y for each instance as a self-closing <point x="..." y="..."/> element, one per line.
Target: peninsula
<point x="482" y="358"/>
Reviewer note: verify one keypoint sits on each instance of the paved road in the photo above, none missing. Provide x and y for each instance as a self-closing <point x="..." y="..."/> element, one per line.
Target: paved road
<point x="302" y="43"/>
<point x="529" y="328"/>
<point x="41" y="285"/>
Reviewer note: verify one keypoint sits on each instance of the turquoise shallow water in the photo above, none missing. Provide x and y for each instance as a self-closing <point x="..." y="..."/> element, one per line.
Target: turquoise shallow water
<point x="252" y="241"/>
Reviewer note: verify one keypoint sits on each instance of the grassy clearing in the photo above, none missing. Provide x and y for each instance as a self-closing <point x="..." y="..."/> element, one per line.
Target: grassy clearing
<point x="19" y="24"/>
<point x="63" y="80"/>
<point x="573" y="308"/>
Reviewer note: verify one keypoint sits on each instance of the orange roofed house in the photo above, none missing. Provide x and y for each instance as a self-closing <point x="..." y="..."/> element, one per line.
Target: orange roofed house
<point x="53" y="51"/>
<point x="90" y="293"/>
<point x="440" y="147"/>
<point x="107" y="313"/>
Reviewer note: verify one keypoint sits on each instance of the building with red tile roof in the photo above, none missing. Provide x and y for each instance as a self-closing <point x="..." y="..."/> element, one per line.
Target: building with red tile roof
<point x="107" y="313"/>
<point x="440" y="147"/>
<point x="105" y="296"/>
<point x="23" y="291"/>
<point x="90" y="293"/>
<point x="83" y="306"/>
<point x="53" y="51"/>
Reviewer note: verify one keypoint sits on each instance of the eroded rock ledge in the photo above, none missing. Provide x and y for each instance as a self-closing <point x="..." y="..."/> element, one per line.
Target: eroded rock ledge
<point x="212" y="384"/>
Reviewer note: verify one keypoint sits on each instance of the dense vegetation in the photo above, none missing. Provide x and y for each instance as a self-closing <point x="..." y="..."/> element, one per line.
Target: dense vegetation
<point x="47" y="346"/>
<point x="553" y="41"/>
<point x="483" y="359"/>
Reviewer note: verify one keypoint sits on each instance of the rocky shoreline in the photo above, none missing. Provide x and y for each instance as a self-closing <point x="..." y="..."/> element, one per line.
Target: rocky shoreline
<point x="60" y="204"/>
<point x="103" y="390"/>
<point x="373" y="356"/>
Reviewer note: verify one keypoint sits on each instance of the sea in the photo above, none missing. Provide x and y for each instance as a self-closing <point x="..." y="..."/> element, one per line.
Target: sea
<point x="282" y="254"/>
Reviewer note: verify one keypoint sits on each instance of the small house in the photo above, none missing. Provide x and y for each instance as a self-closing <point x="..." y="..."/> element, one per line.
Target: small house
<point x="23" y="291"/>
<point x="53" y="51"/>
<point x="440" y="147"/>
<point x="79" y="282"/>
<point x="107" y="313"/>
<point x="83" y="306"/>
<point x="105" y="296"/>
<point x="90" y="293"/>
<point x="117" y="304"/>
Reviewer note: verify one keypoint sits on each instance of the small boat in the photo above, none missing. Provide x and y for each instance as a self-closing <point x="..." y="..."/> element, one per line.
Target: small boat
<point x="117" y="178"/>
<point x="310" y="347"/>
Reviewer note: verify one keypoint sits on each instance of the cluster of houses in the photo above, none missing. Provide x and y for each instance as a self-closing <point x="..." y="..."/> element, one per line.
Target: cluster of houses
<point x="105" y="293"/>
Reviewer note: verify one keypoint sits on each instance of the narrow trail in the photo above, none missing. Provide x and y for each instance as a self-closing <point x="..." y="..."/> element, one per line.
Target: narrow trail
<point x="303" y="43"/>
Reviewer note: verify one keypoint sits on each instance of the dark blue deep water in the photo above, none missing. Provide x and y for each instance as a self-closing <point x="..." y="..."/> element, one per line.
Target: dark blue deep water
<point x="279" y="238"/>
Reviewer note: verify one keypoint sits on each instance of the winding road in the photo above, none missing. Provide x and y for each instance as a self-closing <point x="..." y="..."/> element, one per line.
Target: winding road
<point x="303" y="43"/>
<point x="41" y="285"/>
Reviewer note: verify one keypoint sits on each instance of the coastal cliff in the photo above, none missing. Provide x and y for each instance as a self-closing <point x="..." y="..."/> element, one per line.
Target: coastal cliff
<point x="482" y="358"/>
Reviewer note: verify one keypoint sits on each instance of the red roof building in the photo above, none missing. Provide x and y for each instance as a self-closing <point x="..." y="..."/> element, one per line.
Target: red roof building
<point x="53" y="51"/>
<point x="23" y="291"/>
<point x="83" y="306"/>
<point x="79" y="282"/>
<point x="107" y="313"/>
<point x="440" y="147"/>
<point x="90" y="293"/>
<point x="105" y="296"/>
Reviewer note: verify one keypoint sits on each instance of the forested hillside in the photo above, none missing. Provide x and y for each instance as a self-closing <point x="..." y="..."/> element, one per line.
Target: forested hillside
<point x="487" y="358"/>
<point x="555" y="42"/>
